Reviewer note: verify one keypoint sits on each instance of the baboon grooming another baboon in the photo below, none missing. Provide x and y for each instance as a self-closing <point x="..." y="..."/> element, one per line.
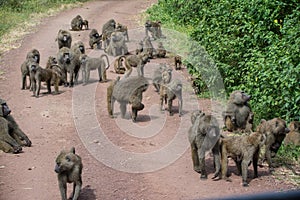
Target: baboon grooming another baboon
<point x="78" y="48"/>
<point x="88" y="64"/>
<point x="137" y="61"/>
<point x="238" y="115"/>
<point x="178" y="62"/>
<point x="127" y="91"/>
<point x="293" y="137"/>
<point x="123" y="29"/>
<point x="154" y="28"/>
<point x="161" y="51"/>
<point x="95" y="39"/>
<point x="243" y="150"/>
<point x="77" y="23"/>
<point x="64" y="39"/>
<point x="117" y="45"/>
<point x="12" y="138"/>
<point x="204" y="136"/>
<point x="69" y="169"/>
<point x="107" y="29"/>
<point x="32" y="56"/>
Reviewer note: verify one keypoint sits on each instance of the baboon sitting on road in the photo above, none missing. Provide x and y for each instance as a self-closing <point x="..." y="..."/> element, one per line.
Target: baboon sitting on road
<point x="64" y="39"/>
<point x="161" y="51"/>
<point x="154" y="28"/>
<point x="95" y="39"/>
<point x="77" y="23"/>
<point x="117" y="45"/>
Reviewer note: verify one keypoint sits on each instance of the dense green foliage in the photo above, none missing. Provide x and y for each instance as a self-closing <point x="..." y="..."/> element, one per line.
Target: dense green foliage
<point x="255" y="45"/>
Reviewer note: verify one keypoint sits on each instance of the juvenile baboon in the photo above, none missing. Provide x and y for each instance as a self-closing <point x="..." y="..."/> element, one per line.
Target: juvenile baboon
<point x="137" y="61"/>
<point x="107" y="29"/>
<point x="95" y="39"/>
<point x="69" y="169"/>
<point x="243" y="150"/>
<point x="154" y="28"/>
<point x="178" y="62"/>
<point x="64" y="39"/>
<point x="148" y="47"/>
<point x="293" y="137"/>
<point x="12" y="138"/>
<point x="32" y="56"/>
<point x="238" y="115"/>
<point x="117" y="45"/>
<point x="88" y="64"/>
<point x="275" y="131"/>
<point x="77" y="23"/>
<point x="161" y="51"/>
<point x="85" y="24"/>
<point x="118" y="66"/>
<point x="123" y="29"/>
<point x="169" y="90"/>
<point x="204" y="136"/>
<point x="157" y="76"/>
<point x="51" y="61"/>
<point x="127" y="91"/>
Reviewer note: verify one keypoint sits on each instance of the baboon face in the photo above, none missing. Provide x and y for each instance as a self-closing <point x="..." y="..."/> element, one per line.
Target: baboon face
<point x="166" y="76"/>
<point x="4" y="109"/>
<point x="112" y="23"/>
<point x="65" y="161"/>
<point x="66" y="58"/>
<point x="239" y="97"/>
<point x="83" y="59"/>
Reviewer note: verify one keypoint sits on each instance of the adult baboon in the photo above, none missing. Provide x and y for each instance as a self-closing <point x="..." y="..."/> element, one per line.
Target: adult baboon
<point x="77" y="23"/>
<point x="85" y="24"/>
<point x="293" y="137"/>
<point x="157" y="76"/>
<point x="95" y="39"/>
<point x="107" y="29"/>
<point x="275" y="131"/>
<point x="64" y="39"/>
<point x="32" y="56"/>
<point x="204" y="136"/>
<point x="178" y="62"/>
<point x="69" y="169"/>
<point x="137" y="61"/>
<point x="58" y="70"/>
<point x="169" y="90"/>
<point x="12" y="138"/>
<point x="154" y="28"/>
<point x="161" y="51"/>
<point x="51" y="61"/>
<point x="148" y="47"/>
<point x="238" y="115"/>
<point x="127" y="91"/>
<point x="243" y="150"/>
<point x="123" y="29"/>
<point x="78" y="48"/>
<point x="117" y="45"/>
<point x="88" y="64"/>
<point x="118" y="65"/>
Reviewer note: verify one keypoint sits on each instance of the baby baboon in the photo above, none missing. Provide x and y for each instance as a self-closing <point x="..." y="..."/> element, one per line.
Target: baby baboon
<point x="137" y="61"/>
<point x="85" y="24"/>
<point x="275" y="131"/>
<point x="238" y="115"/>
<point x="127" y="91"/>
<point x="161" y="51"/>
<point x="88" y="64"/>
<point x="95" y="39"/>
<point x="107" y="29"/>
<point x="69" y="169"/>
<point x="204" y="135"/>
<point x="76" y="23"/>
<point x="154" y="28"/>
<point x="293" y="137"/>
<point x="148" y="47"/>
<point x="178" y="62"/>
<point x="169" y="90"/>
<point x="64" y="39"/>
<point x="118" y="66"/>
<point x="123" y="29"/>
<point x="243" y="150"/>
<point x="157" y="76"/>
<point x="32" y="56"/>
<point x="12" y="138"/>
<point x="117" y="45"/>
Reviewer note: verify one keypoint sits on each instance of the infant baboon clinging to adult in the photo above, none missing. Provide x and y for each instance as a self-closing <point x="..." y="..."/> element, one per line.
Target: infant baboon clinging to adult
<point x="293" y="137"/>
<point x="69" y="169"/>
<point x="64" y="39"/>
<point x="204" y="135"/>
<point x="95" y="39"/>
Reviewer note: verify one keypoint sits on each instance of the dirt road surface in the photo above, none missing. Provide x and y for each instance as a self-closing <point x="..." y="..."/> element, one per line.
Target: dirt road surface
<point x="147" y="160"/>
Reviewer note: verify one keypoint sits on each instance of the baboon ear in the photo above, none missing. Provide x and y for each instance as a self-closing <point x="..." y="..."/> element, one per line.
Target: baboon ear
<point x="72" y="150"/>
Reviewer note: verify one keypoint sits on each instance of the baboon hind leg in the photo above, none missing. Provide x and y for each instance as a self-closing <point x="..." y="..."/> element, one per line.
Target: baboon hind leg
<point x="195" y="159"/>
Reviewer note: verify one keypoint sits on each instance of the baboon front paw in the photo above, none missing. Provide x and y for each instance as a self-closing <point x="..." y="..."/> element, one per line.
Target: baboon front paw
<point x="203" y="176"/>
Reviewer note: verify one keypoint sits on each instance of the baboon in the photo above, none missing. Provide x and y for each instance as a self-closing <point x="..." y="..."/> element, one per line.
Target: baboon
<point x="238" y="115"/>
<point x="178" y="62"/>
<point x="118" y="66"/>
<point x="78" y="48"/>
<point x="293" y="137"/>
<point x="204" y="136"/>
<point x="117" y="45"/>
<point x="69" y="169"/>
<point x="53" y="65"/>
<point x="161" y="51"/>
<point x="64" y="39"/>
<point x="123" y="29"/>
<point x="50" y="62"/>
<point x="169" y="90"/>
<point x="88" y="64"/>
<point x="148" y="47"/>
<point x="95" y="39"/>
<point x="157" y="76"/>
<point x="77" y="23"/>
<point x="154" y="28"/>
<point x="243" y="150"/>
<point x="32" y="56"/>
<point x="127" y="91"/>
<point x="275" y="131"/>
<point x="137" y="61"/>
<point x="139" y="49"/>
<point x="107" y="29"/>
<point x="12" y="138"/>
<point x="85" y="24"/>
<point x="35" y="54"/>
<point x="69" y="61"/>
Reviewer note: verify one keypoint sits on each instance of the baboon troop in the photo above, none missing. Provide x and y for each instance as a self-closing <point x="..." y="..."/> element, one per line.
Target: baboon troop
<point x="95" y="39"/>
<point x="69" y="169"/>
<point x="77" y="23"/>
<point x="204" y="136"/>
<point x="64" y="39"/>
<point x="293" y="137"/>
<point x="178" y="62"/>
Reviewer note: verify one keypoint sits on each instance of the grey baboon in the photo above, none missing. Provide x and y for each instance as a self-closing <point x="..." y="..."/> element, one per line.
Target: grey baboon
<point x="293" y="137"/>
<point x="32" y="56"/>
<point x="161" y="51"/>
<point x="64" y="39"/>
<point x="77" y="23"/>
<point x="157" y="76"/>
<point x="169" y="90"/>
<point x="88" y="64"/>
<point x="118" y="65"/>
<point x="117" y="45"/>
<point x="238" y="115"/>
<point x="35" y="54"/>
<point x="78" y="48"/>
<point x="127" y="91"/>
<point x="243" y="150"/>
<point x="137" y="61"/>
<point x="12" y="138"/>
<point x="95" y="39"/>
<point x="148" y="47"/>
<point x="69" y="169"/>
<point x="107" y="29"/>
<point x="204" y="136"/>
<point x="122" y="28"/>
<point x="154" y="28"/>
<point x="178" y="62"/>
<point x="139" y="48"/>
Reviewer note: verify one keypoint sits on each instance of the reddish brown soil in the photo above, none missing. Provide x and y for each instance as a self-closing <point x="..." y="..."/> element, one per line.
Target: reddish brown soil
<point x="53" y="123"/>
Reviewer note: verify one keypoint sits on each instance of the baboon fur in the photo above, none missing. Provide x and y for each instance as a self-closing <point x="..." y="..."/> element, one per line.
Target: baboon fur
<point x="117" y="45"/>
<point x="157" y="76"/>
<point x="148" y="47"/>
<point x="32" y="56"/>
<point x="107" y="29"/>
<point x="178" y="62"/>
<point x="293" y="137"/>
<point x="161" y="51"/>
<point x="64" y="39"/>
<point x="203" y="136"/>
<point x="78" y="48"/>
<point x="122" y="28"/>
<point x="139" y="48"/>
<point x="69" y="170"/>
<point x="118" y="65"/>
<point x="77" y="23"/>
<point x="95" y="39"/>
<point x="136" y="61"/>
<point x="154" y="28"/>
<point x="85" y="24"/>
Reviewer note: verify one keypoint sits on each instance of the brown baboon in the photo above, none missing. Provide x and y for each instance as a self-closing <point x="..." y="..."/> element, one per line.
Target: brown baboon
<point x="137" y="61"/>
<point x="12" y="138"/>
<point x="53" y="65"/>
<point x="76" y="23"/>
<point x="127" y="91"/>
<point x="123" y="29"/>
<point x="238" y="115"/>
<point x="148" y="47"/>
<point x="85" y="24"/>
<point x="32" y="56"/>
<point x="69" y="169"/>
<point x="154" y="28"/>
<point x="51" y="61"/>
<point x="117" y="45"/>
<point x="243" y="150"/>
<point x="157" y="76"/>
<point x="178" y="62"/>
<point x="275" y="131"/>
<point x="35" y="54"/>
<point x="95" y="39"/>
<point x="64" y="39"/>
<point x="107" y="29"/>
<point x="169" y="90"/>
<point x="204" y="135"/>
<point x="88" y="64"/>
<point x="118" y="66"/>
<point x="78" y="48"/>
<point x="293" y="137"/>
<point x="139" y="49"/>
<point x="161" y="51"/>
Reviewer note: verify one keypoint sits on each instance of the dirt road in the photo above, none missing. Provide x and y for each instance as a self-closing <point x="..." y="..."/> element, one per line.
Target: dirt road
<point x="122" y="160"/>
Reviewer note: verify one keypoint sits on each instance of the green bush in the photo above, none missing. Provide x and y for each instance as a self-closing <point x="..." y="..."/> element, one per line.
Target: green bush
<point x="255" y="45"/>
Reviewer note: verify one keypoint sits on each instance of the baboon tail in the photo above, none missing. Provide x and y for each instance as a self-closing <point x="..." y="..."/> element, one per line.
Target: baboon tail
<point x="104" y="55"/>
